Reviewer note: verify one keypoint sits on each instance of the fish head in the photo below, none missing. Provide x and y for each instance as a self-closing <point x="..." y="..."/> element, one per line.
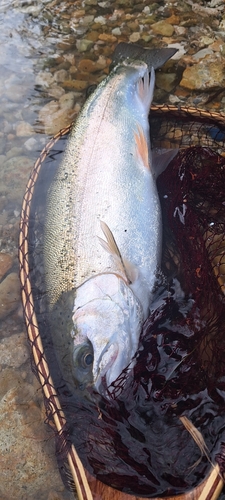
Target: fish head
<point x="106" y="330"/>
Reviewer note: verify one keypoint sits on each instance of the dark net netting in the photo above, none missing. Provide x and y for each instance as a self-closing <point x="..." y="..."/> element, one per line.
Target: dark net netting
<point x="133" y="439"/>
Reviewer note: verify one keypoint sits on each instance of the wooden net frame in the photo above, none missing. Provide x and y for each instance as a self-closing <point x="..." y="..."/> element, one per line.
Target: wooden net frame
<point x="213" y="484"/>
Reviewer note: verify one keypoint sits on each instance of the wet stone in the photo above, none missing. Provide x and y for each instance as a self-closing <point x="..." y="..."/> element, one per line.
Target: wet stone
<point x="9" y="294"/>
<point x="15" y="151"/>
<point x="84" y="45"/>
<point x="162" y="28"/>
<point x="75" y="84"/>
<point x="87" y="65"/>
<point x="24" y="129"/>
<point x="44" y="79"/>
<point x="28" y="464"/>
<point x="166" y="81"/>
<point x="203" y="76"/>
<point x="107" y="38"/>
<point x="31" y="144"/>
<point x="14" y="351"/>
<point x="56" y="92"/>
<point x="9" y="378"/>
<point x="60" y="75"/>
<point x="6" y="262"/>
<point x="134" y="37"/>
<point x="16" y="93"/>
<point x="67" y="101"/>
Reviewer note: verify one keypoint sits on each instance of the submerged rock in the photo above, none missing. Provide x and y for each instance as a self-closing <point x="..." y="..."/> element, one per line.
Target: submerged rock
<point x="9" y="295"/>
<point x="6" y="261"/>
<point x="14" y="351"/>
<point x="28" y="464"/>
<point x="204" y="75"/>
<point x="162" y="28"/>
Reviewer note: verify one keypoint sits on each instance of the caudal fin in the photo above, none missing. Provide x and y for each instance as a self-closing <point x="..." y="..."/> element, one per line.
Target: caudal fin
<point x="154" y="58"/>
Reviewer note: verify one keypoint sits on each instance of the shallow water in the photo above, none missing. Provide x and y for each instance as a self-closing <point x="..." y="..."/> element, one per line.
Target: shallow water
<point x="42" y="85"/>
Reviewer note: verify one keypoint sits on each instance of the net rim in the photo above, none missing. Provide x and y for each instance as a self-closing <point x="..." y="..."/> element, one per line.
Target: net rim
<point x="212" y="486"/>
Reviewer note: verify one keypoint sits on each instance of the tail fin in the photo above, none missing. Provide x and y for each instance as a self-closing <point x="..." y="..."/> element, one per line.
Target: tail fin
<point x="154" y="58"/>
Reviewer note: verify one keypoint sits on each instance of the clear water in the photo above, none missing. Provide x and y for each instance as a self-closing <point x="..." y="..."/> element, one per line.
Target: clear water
<point x="27" y="452"/>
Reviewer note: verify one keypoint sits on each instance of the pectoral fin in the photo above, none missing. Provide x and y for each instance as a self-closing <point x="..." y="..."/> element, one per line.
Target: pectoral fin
<point x="141" y="147"/>
<point x="161" y="159"/>
<point x="110" y="245"/>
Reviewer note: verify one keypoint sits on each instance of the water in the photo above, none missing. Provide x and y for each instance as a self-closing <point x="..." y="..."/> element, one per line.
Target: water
<point x="27" y="450"/>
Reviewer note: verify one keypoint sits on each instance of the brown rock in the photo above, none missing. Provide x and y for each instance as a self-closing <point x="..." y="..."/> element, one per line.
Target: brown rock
<point x="173" y="19"/>
<point x="203" y="77"/>
<point x="5" y="263"/>
<point x="75" y="84"/>
<point x="87" y="65"/>
<point x="166" y="81"/>
<point x="93" y="36"/>
<point x="105" y="37"/>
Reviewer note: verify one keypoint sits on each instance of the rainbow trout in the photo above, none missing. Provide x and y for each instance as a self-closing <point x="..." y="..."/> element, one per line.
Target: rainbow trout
<point x="103" y="225"/>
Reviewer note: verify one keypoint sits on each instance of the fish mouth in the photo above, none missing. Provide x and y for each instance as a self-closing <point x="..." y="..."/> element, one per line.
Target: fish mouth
<point x="105" y="366"/>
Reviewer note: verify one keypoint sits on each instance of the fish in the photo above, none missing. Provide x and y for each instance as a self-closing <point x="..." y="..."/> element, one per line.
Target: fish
<point x="103" y="228"/>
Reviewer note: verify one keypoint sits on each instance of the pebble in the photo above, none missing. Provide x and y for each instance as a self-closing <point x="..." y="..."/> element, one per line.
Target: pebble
<point x="9" y="295"/>
<point x="24" y="129"/>
<point x="180" y="50"/>
<point x="105" y="37"/>
<point x="75" y="84"/>
<point x="16" y="92"/>
<point x="116" y="31"/>
<point x="58" y="120"/>
<point x="100" y="20"/>
<point x="60" y="75"/>
<point x="66" y="101"/>
<point x="84" y="45"/>
<point x="162" y="28"/>
<point x="86" y="20"/>
<point x="202" y="53"/>
<point x="47" y="110"/>
<point x="166" y="81"/>
<point x="6" y="262"/>
<point x="134" y="37"/>
<point x="44" y="79"/>
<point x="31" y="144"/>
<point x="87" y="65"/>
<point x="15" y="151"/>
<point x="56" y="92"/>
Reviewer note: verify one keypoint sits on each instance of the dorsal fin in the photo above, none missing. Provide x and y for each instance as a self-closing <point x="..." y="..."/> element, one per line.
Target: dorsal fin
<point x="111" y="247"/>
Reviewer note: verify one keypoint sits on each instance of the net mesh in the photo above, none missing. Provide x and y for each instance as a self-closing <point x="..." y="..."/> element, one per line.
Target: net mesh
<point x="132" y="439"/>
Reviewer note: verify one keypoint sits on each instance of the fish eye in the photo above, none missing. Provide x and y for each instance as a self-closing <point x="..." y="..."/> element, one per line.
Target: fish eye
<point x="88" y="359"/>
<point x="83" y="358"/>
